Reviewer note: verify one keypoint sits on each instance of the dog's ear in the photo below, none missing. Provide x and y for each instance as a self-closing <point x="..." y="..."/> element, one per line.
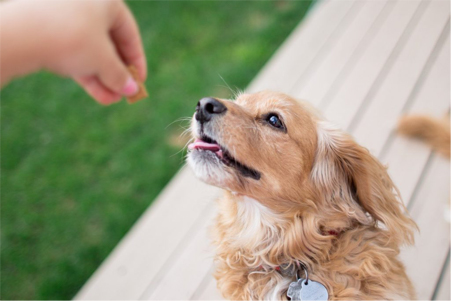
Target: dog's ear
<point x="347" y="173"/>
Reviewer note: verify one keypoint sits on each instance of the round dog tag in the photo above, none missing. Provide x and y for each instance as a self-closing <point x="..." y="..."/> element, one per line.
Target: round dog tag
<point x="312" y="290"/>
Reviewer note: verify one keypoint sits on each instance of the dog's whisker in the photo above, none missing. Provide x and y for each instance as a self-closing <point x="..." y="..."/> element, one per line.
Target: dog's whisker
<point x="185" y="132"/>
<point x="227" y="85"/>
<point x="181" y="119"/>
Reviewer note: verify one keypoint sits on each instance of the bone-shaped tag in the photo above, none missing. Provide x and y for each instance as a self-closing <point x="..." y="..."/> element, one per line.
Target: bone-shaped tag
<point x="294" y="290"/>
<point x="303" y="290"/>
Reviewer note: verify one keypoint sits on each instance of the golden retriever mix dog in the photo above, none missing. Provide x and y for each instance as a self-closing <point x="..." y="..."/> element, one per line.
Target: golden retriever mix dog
<point x="301" y="198"/>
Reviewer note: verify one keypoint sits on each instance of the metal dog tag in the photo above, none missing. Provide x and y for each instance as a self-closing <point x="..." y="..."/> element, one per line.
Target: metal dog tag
<point x="313" y="290"/>
<point x="294" y="290"/>
<point x="302" y="290"/>
<point x="305" y="289"/>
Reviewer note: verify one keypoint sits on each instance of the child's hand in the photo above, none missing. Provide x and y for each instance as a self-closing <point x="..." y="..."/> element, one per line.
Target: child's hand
<point x="90" y="41"/>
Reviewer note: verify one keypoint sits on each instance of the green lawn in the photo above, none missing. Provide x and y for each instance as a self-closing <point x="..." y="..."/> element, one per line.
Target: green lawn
<point x="76" y="175"/>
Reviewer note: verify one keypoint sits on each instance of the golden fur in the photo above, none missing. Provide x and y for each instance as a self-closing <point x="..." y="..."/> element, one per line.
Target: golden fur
<point x="314" y="179"/>
<point x="434" y="131"/>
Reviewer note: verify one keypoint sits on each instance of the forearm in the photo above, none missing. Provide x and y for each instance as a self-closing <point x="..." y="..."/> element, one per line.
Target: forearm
<point x="21" y="42"/>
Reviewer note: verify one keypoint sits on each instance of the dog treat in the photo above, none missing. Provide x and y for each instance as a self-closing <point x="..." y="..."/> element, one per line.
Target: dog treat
<point x="142" y="92"/>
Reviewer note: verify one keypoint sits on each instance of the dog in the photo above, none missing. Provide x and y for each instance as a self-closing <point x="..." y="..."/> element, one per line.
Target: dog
<point x="303" y="204"/>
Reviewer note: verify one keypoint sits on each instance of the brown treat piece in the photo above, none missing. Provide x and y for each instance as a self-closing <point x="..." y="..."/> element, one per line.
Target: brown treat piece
<point x="142" y="92"/>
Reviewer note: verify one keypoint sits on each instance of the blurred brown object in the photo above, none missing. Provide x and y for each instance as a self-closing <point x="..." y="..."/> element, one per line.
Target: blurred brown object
<point x="433" y="131"/>
<point x="142" y="92"/>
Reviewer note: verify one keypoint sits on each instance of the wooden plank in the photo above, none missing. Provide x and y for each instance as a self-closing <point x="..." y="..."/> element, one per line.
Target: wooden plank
<point x="187" y="270"/>
<point x="411" y="155"/>
<point x="406" y="162"/>
<point x="443" y="292"/>
<point x="381" y="115"/>
<point x="210" y="292"/>
<point x="345" y="51"/>
<point x="163" y="230"/>
<point x="341" y="105"/>
<point x="425" y="260"/>
<point x="321" y="27"/>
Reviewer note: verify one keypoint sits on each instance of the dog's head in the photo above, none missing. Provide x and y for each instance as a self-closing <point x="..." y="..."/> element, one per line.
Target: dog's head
<point x="260" y="145"/>
<point x="272" y="148"/>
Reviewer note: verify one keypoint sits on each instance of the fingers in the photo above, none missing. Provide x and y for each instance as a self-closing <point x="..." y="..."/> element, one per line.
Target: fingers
<point x="122" y="46"/>
<point x="113" y="73"/>
<point x="126" y="37"/>
<point x="97" y="90"/>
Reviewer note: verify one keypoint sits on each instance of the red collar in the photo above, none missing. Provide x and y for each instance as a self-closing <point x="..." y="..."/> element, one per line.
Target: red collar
<point x="333" y="232"/>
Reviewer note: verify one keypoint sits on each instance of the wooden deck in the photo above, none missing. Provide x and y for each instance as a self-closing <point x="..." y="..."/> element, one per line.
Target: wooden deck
<point x="363" y="63"/>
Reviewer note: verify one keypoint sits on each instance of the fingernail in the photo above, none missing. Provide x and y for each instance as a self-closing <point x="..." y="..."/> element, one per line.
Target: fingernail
<point x="130" y="88"/>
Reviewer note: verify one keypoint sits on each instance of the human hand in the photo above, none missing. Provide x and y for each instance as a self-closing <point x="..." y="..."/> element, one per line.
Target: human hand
<point x="89" y="41"/>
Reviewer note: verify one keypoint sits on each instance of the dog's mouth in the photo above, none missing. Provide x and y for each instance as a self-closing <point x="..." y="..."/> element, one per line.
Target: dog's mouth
<point x="205" y="143"/>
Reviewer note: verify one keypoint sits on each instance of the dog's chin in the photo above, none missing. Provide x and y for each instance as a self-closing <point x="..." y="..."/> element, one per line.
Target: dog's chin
<point x="208" y="168"/>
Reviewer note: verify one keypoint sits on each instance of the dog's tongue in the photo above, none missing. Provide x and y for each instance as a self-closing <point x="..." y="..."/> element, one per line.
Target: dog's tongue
<point x="200" y="144"/>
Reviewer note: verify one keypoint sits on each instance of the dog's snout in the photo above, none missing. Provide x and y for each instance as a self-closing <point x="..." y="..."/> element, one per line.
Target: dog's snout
<point x="208" y="107"/>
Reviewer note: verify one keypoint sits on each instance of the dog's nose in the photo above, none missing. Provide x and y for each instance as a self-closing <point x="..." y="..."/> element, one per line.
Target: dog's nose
<point x="208" y="107"/>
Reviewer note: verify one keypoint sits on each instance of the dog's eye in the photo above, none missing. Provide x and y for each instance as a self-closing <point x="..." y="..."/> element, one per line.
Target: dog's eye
<point x="275" y="121"/>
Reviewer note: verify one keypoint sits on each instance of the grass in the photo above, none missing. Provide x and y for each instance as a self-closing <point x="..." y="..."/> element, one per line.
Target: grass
<point x="76" y="175"/>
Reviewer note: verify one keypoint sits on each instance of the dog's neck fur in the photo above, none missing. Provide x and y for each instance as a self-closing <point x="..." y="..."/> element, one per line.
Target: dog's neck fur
<point x="261" y="237"/>
<point x="259" y="224"/>
<point x="262" y="234"/>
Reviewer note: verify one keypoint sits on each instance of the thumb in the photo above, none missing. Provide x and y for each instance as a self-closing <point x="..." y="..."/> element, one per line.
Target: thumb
<point x="114" y="74"/>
